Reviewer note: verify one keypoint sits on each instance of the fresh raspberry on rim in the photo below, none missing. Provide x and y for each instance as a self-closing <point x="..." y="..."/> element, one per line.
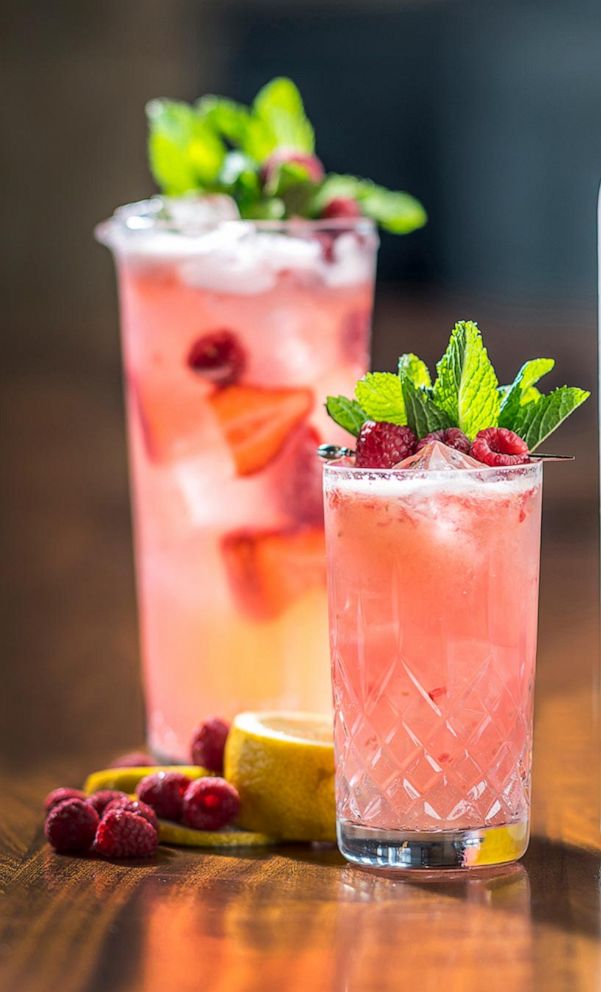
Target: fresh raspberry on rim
<point x="452" y="437"/>
<point x="383" y="445"/>
<point x="71" y="826"/>
<point x="499" y="447"/>
<point x="208" y="744"/>
<point x="164" y="792"/>
<point x="122" y="834"/>
<point x="210" y="804"/>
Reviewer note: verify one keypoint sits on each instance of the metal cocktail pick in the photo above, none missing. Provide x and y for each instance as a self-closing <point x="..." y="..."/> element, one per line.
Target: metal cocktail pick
<point x="329" y="452"/>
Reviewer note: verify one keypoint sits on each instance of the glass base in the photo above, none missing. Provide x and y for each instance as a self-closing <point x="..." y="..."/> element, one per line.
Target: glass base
<point x="399" y="849"/>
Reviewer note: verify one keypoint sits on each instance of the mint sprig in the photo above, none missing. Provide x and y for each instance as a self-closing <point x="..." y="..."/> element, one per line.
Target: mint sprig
<point x="466" y="386"/>
<point x="465" y="394"/>
<point x="218" y="145"/>
<point x="380" y="395"/>
<point x="346" y="413"/>
<point x="536" y="420"/>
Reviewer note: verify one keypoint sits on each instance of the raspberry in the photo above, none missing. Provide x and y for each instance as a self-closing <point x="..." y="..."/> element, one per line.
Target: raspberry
<point x="341" y="208"/>
<point x="71" y="826"/>
<point x="59" y="795"/>
<point x="498" y="446"/>
<point x="134" y="806"/>
<point x="218" y="357"/>
<point x="100" y="800"/>
<point x="122" y="834"/>
<point x="164" y="791"/>
<point x="271" y="168"/>
<point x="208" y="744"/>
<point x="382" y="445"/>
<point x="210" y="804"/>
<point x="451" y="436"/>
<point x="133" y="759"/>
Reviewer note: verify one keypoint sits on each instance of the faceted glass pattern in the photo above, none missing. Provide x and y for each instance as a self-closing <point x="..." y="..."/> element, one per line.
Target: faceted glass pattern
<point x="433" y="585"/>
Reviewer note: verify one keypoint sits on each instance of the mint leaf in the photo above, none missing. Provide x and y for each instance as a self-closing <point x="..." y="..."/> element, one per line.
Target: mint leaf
<point x="228" y="118"/>
<point x="346" y="413"/>
<point x="423" y="416"/>
<point x="278" y="120"/>
<point x="397" y="212"/>
<point x="412" y="367"/>
<point x="520" y="391"/>
<point x="381" y="396"/>
<point x="466" y="388"/>
<point x="183" y="149"/>
<point x="536" y="420"/>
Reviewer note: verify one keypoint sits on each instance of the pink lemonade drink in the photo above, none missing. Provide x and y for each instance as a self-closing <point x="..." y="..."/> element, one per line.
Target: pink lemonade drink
<point x="233" y="334"/>
<point x="433" y="595"/>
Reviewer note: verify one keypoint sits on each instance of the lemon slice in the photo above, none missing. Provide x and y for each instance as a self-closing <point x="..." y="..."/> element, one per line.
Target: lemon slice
<point x="175" y="833"/>
<point x="126" y="779"/>
<point x="283" y="767"/>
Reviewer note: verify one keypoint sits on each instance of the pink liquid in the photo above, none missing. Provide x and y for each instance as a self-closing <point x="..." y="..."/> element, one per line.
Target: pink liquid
<point x="433" y="591"/>
<point x="226" y="484"/>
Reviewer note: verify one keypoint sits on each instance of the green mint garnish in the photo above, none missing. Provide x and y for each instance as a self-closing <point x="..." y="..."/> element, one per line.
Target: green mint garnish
<point x="539" y="418"/>
<point x="423" y="416"/>
<point x="184" y="151"/>
<point x="380" y="395"/>
<point x="466" y="386"/>
<point x="411" y="367"/>
<point x="523" y="389"/>
<point x="397" y="212"/>
<point x="465" y="394"/>
<point x="346" y="413"/>
<point x="220" y="146"/>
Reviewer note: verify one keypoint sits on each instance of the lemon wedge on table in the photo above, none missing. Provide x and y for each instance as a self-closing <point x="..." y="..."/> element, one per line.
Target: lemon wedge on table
<point x="126" y="779"/>
<point x="282" y="764"/>
<point x="175" y="833"/>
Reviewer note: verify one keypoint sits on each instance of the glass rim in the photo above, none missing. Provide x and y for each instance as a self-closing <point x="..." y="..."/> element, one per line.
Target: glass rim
<point x="336" y="468"/>
<point x="146" y="217"/>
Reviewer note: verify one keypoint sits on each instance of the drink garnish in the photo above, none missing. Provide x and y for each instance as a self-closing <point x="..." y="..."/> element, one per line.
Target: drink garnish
<point x="263" y="157"/>
<point x="503" y="424"/>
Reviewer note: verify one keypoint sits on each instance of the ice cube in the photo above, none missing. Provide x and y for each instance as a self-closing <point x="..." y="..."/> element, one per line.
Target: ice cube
<point x="193" y="214"/>
<point x="438" y="457"/>
<point x="351" y="262"/>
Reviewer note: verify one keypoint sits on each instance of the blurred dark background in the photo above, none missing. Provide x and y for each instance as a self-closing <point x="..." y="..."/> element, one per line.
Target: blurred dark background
<point x="489" y="112"/>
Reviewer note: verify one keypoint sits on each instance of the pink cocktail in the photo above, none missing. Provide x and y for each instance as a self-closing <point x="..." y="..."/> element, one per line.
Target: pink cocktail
<point x="433" y="596"/>
<point x="233" y="334"/>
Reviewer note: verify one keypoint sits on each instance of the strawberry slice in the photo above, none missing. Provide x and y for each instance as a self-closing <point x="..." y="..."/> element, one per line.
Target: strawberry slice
<point x="257" y="421"/>
<point x="270" y="570"/>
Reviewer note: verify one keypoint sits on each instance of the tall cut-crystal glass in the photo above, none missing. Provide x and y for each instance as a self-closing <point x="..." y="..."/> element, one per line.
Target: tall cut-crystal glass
<point x="433" y="598"/>
<point x="233" y="334"/>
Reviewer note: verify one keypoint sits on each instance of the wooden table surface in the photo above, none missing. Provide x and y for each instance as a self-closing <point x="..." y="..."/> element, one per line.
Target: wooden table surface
<point x="295" y="918"/>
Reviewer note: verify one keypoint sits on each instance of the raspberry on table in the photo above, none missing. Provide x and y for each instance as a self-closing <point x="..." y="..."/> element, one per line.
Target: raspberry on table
<point x="123" y="834"/>
<point x="100" y="800"/>
<point x="134" y="806"/>
<point x="71" y="826"/>
<point x="499" y="447"/>
<point x="218" y="357"/>
<point x="164" y="792"/>
<point x="452" y="437"/>
<point x="208" y="744"/>
<point x="210" y="804"/>
<point x="133" y="759"/>
<point x="59" y="795"/>
<point x="382" y="445"/>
